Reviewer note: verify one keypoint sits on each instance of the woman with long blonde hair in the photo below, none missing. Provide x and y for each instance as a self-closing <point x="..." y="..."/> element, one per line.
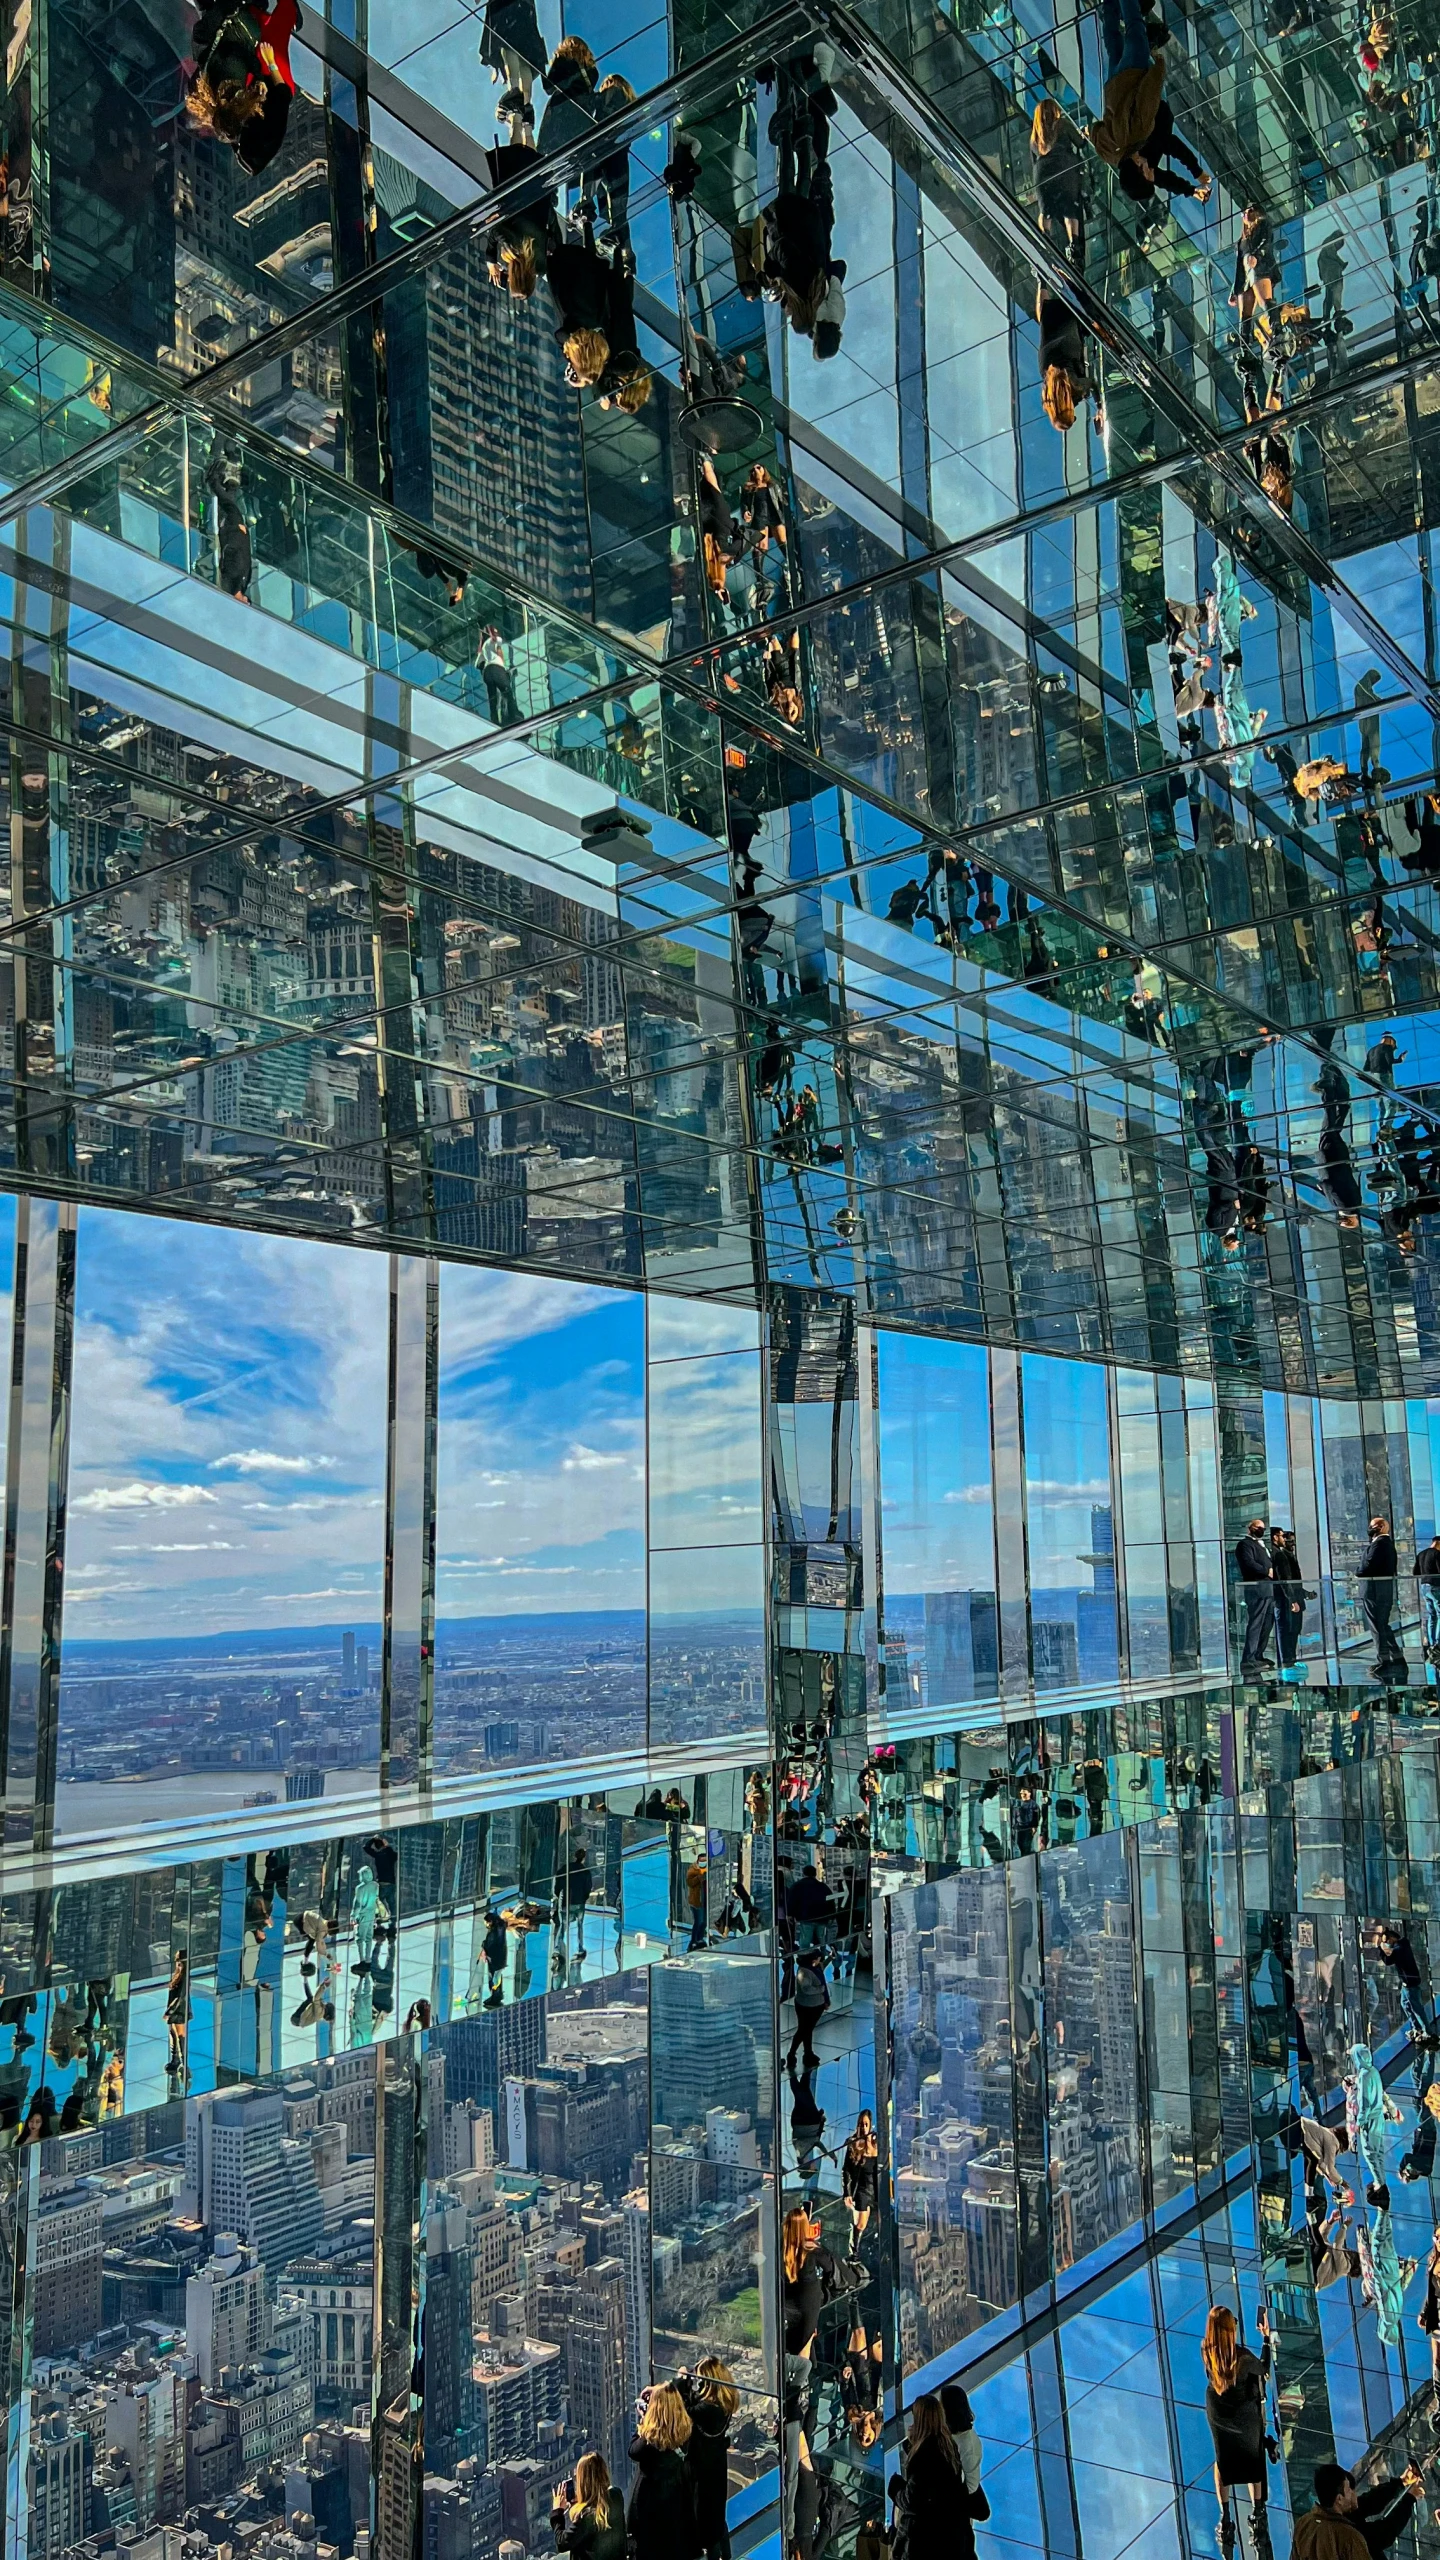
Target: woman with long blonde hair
<point x="1235" y="2406"/>
<point x="662" y="2502"/>
<point x="933" y="2498"/>
<point x="1057" y="164"/>
<point x="712" y="2400"/>
<point x="588" y="2518"/>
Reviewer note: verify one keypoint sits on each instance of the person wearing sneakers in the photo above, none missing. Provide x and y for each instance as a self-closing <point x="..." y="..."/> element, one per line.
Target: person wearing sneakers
<point x="513" y="50"/>
<point x="1135" y="131"/>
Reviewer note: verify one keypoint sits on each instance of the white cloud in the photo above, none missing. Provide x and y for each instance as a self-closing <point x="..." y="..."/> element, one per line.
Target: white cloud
<point x="588" y="1459"/>
<point x="965" y="1493"/>
<point x="268" y="1462"/>
<point x="136" y="1496"/>
<point x="196" y="1547"/>
<point x="485" y="1312"/>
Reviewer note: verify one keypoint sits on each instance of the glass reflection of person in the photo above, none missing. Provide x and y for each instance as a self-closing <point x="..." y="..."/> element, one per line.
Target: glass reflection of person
<point x="177" y="2014"/>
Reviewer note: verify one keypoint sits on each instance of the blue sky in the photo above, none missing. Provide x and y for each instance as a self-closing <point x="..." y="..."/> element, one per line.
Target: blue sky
<point x="1067" y="1464"/>
<point x="228" y="1439"/>
<point x="938" y="1509"/>
<point x="542" y="1446"/>
<point x="228" y="1430"/>
<point x="935" y="1465"/>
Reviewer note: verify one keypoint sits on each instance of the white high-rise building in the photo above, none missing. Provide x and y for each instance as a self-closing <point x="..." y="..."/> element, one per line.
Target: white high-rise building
<point x="226" y="2315"/>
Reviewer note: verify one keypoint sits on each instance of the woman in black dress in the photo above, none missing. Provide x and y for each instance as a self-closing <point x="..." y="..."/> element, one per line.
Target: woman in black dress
<point x="1057" y="162"/>
<point x="513" y="49"/>
<point x="1064" y="364"/>
<point x="1235" y="2406"/>
<point x="860" y="2175"/>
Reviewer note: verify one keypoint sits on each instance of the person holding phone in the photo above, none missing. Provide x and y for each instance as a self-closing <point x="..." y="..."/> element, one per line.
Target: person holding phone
<point x="588" y="2517"/>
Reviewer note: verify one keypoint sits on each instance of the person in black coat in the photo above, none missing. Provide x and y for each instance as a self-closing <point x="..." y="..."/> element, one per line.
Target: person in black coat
<point x="1289" y="1594"/>
<point x="712" y="2400"/>
<point x="1379" y="1566"/>
<point x="588" y="2517"/>
<point x="932" y="2504"/>
<point x="517" y="250"/>
<point x="572" y="77"/>
<point x="1256" y="1570"/>
<point x="580" y="287"/>
<point x="243" y="82"/>
<point x="662" y="2504"/>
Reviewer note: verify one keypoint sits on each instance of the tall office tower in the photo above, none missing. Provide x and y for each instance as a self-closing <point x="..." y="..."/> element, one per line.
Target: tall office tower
<point x="720" y="1270"/>
<point x="58" y="2486"/>
<point x="449" y="2329"/>
<point x="244" y="2177"/>
<point x="69" y="2258"/>
<point x="482" y="2053"/>
<point x="226" y="2313"/>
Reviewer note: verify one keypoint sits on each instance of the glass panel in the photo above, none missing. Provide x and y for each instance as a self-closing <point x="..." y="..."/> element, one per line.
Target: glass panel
<point x="1069" y="1523"/>
<point x="540" y="1562"/>
<point x="955" y="2195"/>
<point x="227" y="1467"/>
<point x="941" y="1633"/>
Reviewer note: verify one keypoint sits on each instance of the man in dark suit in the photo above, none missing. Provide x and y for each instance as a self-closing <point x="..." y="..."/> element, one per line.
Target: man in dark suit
<point x="1378" y="1568"/>
<point x="1252" y="1558"/>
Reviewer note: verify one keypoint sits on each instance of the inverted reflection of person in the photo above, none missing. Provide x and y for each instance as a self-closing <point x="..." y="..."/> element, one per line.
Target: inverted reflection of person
<point x="243" y="84"/>
<point x="579" y="281"/>
<point x="1065" y="380"/>
<point x="517" y="250"/>
<point x="860" y="2175"/>
<point x="1057" y="167"/>
<point x="1428" y="2315"/>
<point x="513" y="49"/>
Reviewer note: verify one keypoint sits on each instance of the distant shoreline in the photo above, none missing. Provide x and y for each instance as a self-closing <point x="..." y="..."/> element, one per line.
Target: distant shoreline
<point x="593" y="1625"/>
